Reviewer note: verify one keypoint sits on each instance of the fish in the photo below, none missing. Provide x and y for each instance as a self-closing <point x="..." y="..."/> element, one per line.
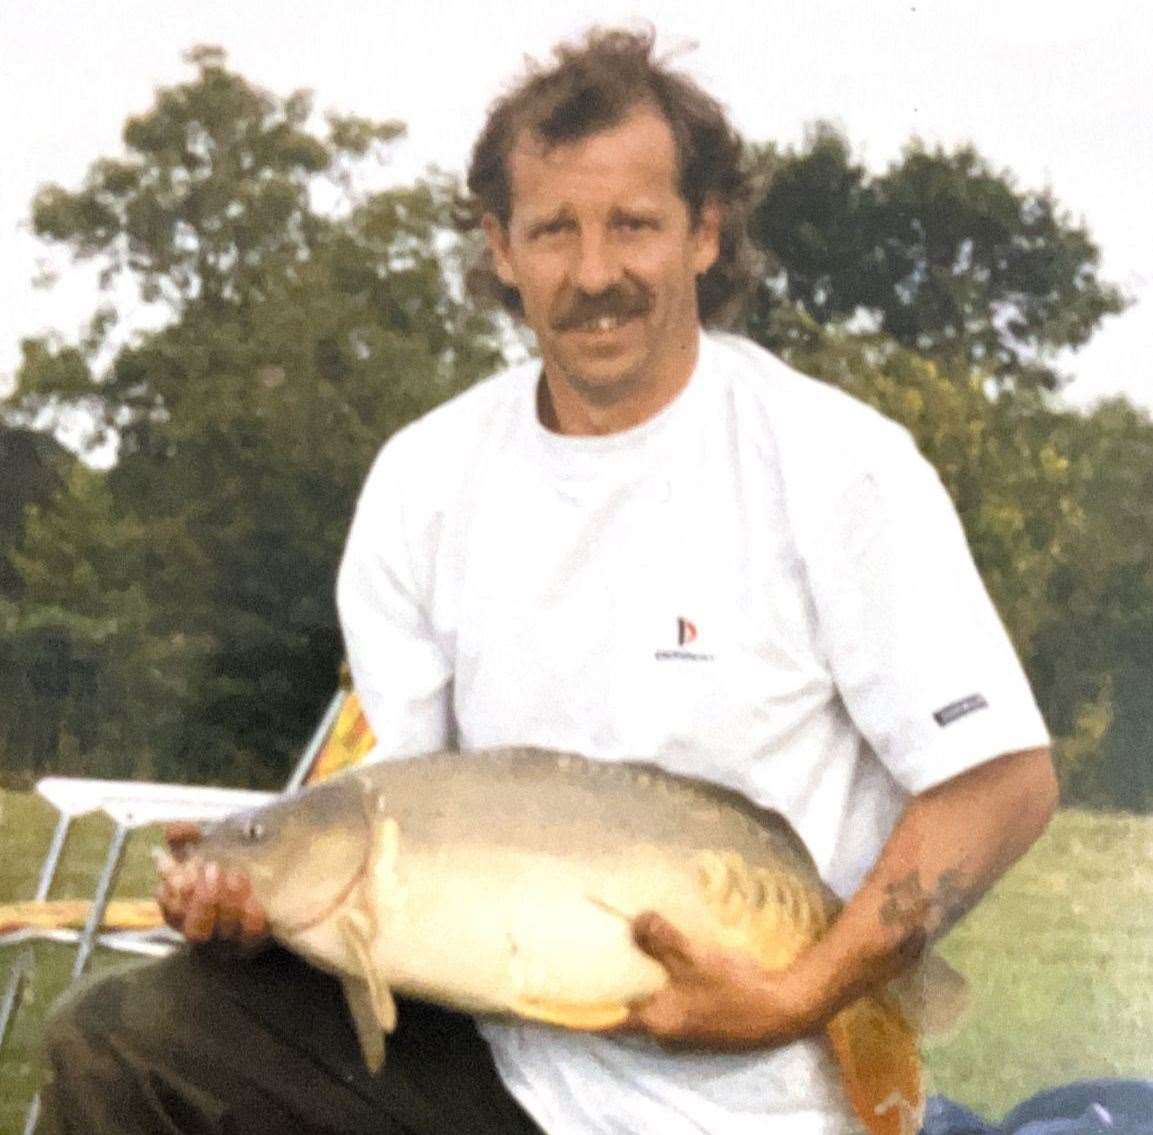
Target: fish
<point x="505" y="882"/>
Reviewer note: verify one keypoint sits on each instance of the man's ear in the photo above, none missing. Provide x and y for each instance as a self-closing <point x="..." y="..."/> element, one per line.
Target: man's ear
<point x="707" y="235"/>
<point x="496" y="236"/>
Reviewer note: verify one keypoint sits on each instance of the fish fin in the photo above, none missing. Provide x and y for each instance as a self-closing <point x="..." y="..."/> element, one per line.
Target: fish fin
<point x="880" y="1064"/>
<point x="586" y="1016"/>
<point x="357" y="928"/>
<point x="362" y="1009"/>
<point x="932" y="995"/>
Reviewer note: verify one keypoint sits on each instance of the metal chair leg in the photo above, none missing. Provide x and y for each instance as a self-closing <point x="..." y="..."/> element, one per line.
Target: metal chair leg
<point x="88" y="936"/>
<point x="52" y="858"/>
<point x="17" y="979"/>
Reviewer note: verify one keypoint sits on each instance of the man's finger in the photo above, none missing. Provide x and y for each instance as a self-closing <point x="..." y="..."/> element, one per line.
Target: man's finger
<point x="200" y="918"/>
<point x="253" y="923"/>
<point x="661" y="940"/>
<point x="230" y="910"/>
<point x="171" y="905"/>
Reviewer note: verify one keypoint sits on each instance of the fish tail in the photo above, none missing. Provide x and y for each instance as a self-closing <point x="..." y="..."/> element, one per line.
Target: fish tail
<point x="880" y="1065"/>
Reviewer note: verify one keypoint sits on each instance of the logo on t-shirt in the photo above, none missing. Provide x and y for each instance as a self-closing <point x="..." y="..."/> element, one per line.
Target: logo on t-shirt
<point x="959" y="709"/>
<point x="686" y="633"/>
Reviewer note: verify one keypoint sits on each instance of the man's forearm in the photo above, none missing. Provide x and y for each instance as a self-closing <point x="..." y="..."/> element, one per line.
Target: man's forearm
<point x="950" y="845"/>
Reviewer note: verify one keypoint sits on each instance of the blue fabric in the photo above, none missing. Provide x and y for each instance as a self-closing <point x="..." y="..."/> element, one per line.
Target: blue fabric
<point x="1085" y="1107"/>
<point x="944" y="1117"/>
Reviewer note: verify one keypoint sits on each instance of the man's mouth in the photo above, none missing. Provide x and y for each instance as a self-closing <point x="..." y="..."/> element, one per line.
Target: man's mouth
<point x="602" y="324"/>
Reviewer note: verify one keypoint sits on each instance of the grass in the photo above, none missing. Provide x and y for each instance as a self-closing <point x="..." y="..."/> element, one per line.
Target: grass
<point x="1059" y="958"/>
<point x="26" y="824"/>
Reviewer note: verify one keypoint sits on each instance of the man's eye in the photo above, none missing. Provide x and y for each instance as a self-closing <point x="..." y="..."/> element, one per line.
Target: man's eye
<point x="552" y="228"/>
<point x="635" y="224"/>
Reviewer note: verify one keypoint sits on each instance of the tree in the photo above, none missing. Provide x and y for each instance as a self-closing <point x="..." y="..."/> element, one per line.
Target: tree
<point x="1094" y="657"/>
<point x="33" y="469"/>
<point x="941" y="254"/>
<point x="297" y="340"/>
<point x="93" y="676"/>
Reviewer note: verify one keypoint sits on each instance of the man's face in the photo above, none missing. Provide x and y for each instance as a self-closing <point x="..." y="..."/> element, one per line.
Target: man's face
<point x="602" y="249"/>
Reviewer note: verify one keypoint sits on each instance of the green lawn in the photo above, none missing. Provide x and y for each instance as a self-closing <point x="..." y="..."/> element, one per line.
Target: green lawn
<point x="25" y="830"/>
<point x="1059" y="958"/>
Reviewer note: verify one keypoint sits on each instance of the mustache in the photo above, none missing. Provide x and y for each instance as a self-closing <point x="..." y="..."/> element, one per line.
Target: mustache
<point x="619" y="302"/>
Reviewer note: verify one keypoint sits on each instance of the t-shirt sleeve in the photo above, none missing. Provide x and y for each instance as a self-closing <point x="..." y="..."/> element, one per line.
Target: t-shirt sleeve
<point x="918" y="653"/>
<point x="398" y="668"/>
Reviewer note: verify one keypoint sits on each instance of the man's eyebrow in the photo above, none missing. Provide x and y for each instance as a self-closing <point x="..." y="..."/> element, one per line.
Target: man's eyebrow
<point x="540" y="224"/>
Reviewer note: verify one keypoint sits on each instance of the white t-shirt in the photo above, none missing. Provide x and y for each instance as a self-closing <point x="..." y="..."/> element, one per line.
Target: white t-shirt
<point x="764" y="585"/>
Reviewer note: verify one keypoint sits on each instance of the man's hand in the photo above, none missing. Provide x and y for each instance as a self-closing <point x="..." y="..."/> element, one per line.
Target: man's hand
<point x="717" y="999"/>
<point x="204" y="903"/>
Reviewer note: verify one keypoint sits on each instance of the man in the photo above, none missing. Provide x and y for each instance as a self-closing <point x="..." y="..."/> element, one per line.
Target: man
<point x="654" y="543"/>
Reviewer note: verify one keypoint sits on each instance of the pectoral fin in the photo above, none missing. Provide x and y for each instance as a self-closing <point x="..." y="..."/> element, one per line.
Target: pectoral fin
<point x="368" y="995"/>
<point x="932" y="995"/>
<point x="364" y="1020"/>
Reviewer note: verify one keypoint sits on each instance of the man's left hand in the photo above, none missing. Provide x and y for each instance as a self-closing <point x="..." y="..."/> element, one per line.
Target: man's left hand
<point x="717" y="999"/>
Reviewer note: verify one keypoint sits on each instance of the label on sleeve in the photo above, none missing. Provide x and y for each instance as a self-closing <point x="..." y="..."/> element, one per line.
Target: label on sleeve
<point x="958" y="709"/>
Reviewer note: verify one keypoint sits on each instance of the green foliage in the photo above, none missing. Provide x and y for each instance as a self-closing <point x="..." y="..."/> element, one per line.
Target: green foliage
<point x="173" y="616"/>
<point x="33" y="469"/>
<point x="214" y="187"/>
<point x="1096" y="656"/>
<point x="192" y="583"/>
<point x="92" y="669"/>
<point x="944" y="255"/>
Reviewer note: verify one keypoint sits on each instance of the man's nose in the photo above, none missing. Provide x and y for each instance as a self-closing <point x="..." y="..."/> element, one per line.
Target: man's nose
<point x="596" y="265"/>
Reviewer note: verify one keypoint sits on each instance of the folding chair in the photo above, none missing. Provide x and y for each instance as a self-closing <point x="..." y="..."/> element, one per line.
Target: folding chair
<point x="341" y="739"/>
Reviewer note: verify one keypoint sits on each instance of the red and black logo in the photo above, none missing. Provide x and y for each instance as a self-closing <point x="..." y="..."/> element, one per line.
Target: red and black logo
<point x="686" y="633"/>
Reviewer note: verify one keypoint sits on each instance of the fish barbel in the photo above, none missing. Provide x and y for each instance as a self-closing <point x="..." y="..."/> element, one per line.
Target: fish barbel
<point x="506" y="882"/>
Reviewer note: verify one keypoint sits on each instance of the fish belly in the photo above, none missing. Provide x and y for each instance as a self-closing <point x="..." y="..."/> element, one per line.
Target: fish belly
<point x="492" y="930"/>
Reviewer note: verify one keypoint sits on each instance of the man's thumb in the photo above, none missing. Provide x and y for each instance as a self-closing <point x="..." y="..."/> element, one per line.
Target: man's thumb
<point x="661" y="940"/>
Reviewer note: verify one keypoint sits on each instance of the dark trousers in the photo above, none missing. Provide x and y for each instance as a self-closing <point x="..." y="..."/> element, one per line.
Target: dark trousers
<point x="205" y="1043"/>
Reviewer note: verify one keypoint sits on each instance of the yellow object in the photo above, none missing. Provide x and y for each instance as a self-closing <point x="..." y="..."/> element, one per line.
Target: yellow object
<point x="61" y="914"/>
<point x="347" y="743"/>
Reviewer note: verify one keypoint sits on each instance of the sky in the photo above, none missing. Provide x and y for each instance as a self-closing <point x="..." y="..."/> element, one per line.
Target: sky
<point x="1056" y="92"/>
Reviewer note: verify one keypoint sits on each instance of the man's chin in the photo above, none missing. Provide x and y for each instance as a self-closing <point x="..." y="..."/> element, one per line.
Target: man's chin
<point x="603" y="379"/>
<point x="602" y="387"/>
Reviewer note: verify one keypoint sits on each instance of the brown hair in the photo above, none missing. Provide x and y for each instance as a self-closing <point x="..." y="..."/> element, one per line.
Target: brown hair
<point x="591" y="87"/>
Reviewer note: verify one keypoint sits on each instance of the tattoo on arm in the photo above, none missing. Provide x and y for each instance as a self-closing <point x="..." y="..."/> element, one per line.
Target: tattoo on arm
<point x="921" y="914"/>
